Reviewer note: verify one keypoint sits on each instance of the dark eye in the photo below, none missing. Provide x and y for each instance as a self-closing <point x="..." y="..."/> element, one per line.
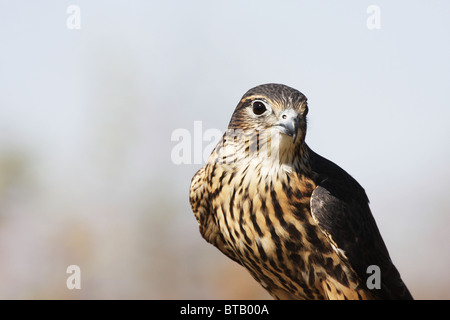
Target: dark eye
<point x="259" y="108"/>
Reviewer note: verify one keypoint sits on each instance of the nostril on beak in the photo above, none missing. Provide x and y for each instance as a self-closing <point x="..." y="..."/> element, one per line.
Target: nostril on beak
<point x="289" y="123"/>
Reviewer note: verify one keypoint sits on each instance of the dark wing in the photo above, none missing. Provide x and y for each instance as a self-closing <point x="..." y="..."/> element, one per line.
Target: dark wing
<point x="199" y="198"/>
<point x="341" y="208"/>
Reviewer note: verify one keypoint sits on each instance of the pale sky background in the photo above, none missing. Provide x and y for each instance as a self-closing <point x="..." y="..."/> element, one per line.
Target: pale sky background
<point x="86" y="117"/>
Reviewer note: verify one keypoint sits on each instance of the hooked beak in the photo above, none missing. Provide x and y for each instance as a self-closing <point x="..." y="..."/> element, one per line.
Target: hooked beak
<point x="288" y="124"/>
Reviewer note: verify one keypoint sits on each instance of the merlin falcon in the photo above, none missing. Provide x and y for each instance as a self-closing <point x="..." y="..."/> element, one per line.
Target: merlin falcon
<point x="299" y="223"/>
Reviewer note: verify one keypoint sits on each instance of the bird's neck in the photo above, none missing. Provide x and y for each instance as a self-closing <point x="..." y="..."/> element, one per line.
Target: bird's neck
<point x="270" y="156"/>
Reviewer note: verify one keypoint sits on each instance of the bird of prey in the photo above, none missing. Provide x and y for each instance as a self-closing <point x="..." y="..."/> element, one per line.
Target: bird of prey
<point x="296" y="221"/>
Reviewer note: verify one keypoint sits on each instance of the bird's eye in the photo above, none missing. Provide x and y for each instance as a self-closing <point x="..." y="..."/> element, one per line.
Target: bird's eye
<point x="259" y="108"/>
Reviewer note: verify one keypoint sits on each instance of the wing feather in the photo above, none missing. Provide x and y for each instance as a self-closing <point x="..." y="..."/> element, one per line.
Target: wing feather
<point x="199" y="198"/>
<point x="341" y="208"/>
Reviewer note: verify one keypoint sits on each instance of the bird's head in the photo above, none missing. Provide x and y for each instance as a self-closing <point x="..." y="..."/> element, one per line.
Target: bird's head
<point x="272" y="112"/>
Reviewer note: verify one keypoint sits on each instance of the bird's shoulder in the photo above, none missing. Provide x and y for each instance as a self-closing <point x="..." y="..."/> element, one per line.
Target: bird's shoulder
<point x="201" y="195"/>
<point x="340" y="206"/>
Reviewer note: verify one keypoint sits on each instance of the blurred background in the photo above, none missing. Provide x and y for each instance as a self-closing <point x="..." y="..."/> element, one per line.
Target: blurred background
<point x="87" y="172"/>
